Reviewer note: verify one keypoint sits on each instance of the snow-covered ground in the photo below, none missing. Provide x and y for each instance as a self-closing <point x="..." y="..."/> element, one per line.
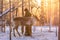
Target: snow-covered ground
<point x="36" y="35"/>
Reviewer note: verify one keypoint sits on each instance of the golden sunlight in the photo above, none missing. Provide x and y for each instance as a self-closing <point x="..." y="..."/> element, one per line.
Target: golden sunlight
<point x="38" y="2"/>
<point x="7" y="0"/>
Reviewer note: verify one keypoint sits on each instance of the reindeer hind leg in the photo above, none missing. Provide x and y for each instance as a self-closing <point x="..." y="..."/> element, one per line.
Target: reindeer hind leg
<point x="14" y="32"/>
<point x="17" y="31"/>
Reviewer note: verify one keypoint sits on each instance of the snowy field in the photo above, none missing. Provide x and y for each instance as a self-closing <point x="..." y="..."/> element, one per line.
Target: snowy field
<point x="37" y="34"/>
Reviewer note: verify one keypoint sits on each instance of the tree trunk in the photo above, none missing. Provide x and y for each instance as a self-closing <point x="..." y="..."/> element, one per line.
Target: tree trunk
<point x="59" y="33"/>
<point x="28" y="30"/>
<point x="59" y="30"/>
<point x="22" y="29"/>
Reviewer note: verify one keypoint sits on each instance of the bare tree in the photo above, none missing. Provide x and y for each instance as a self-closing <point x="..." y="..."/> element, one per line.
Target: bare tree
<point x="42" y="15"/>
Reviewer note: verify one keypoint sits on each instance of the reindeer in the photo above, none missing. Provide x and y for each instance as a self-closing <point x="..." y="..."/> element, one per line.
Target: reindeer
<point x="23" y="21"/>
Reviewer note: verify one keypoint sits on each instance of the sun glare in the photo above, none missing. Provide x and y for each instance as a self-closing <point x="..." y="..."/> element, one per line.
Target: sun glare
<point x="38" y="2"/>
<point x="7" y="0"/>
